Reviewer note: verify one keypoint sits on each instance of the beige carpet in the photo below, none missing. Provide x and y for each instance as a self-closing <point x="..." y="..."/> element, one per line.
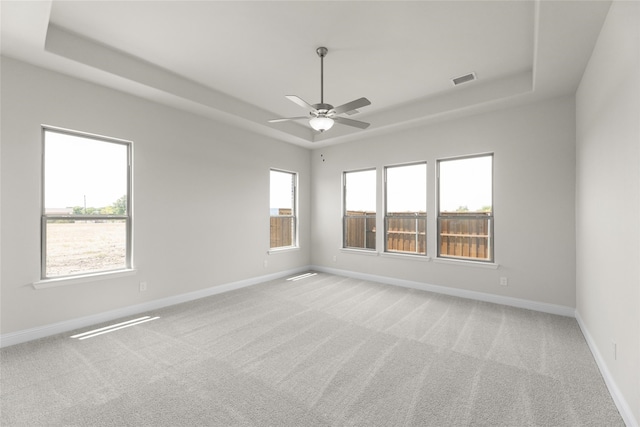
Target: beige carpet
<point x="320" y="351"/>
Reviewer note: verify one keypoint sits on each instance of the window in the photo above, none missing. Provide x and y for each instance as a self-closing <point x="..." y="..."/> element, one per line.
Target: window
<point x="359" y="221"/>
<point x="405" y="219"/>
<point x="86" y="205"/>
<point x="465" y="208"/>
<point x="283" y="209"/>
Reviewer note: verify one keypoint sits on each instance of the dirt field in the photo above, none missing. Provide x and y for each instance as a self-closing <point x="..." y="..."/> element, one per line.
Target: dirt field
<point x="81" y="247"/>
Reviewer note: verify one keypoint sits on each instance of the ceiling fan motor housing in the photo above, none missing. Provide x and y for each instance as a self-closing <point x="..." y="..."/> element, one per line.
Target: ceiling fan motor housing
<point x="323" y="108"/>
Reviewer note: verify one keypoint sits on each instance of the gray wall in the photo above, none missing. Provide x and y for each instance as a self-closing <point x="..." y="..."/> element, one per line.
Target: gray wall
<point x="534" y="176"/>
<point x="201" y="197"/>
<point x="191" y="173"/>
<point x="608" y="199"/>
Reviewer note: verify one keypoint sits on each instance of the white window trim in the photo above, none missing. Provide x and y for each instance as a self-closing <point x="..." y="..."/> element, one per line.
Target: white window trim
<point x="386" y="216"/>
<point x="82" y="278"/>
<point x="295" y="239"/>
<point x="281" y="249"/>
<point x="360" y="251"/>
<point x="459" y="260"/>
<point x="345" y="216"/>
<point x="128" y="217"/>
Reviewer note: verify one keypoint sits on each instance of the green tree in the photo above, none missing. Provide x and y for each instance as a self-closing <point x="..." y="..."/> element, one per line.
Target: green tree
<point x="462" y="209"/>
<point x="108" y="210"/>
<point x="120" y="206"/>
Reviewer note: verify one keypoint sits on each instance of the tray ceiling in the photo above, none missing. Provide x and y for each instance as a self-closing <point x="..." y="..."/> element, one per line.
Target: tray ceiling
<point x="236" y="61"/>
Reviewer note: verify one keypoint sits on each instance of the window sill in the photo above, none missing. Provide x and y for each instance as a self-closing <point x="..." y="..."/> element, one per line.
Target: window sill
<point x="283" y="249"/>
<point x="463" y="262"/>
<point x="84" y="278"/>
<point x="408" y="256"/>
<point x="369" y="252"/>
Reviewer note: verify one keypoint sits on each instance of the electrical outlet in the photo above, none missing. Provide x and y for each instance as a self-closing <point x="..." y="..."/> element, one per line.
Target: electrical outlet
<point x="504" y="281"/>
<point x="266" y="263"/>
<point x="143" y="286"/>
<point x="614" y="349"/>
<point x="335" y="258"/>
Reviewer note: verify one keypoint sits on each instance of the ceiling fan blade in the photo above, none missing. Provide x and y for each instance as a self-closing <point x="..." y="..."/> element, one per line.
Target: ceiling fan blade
<point x="351" y="122"/>
<point x="349" y="106"/>
<point x="301" y="102"/>
<point x="288" y="118"/>
<point x="352" y="112"/>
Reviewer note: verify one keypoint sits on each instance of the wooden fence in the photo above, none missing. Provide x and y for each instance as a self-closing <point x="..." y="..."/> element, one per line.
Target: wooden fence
<point x="465" y="235"/>
<point x="360" y="230"/>
<point x="407" y="233"/>
<point x="282" y="229"/>
<point x="462" y="234"/>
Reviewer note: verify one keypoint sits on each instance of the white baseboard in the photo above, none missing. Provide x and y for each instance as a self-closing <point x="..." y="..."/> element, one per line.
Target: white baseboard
<point x="13" y="338"/>
<point x="616" y="395"/>
<point x="462" y="293"/>
<point x="73" y="324"/>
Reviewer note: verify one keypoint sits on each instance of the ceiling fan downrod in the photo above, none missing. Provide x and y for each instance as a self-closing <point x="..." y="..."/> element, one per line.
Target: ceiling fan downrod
<point x="322" y="52"/>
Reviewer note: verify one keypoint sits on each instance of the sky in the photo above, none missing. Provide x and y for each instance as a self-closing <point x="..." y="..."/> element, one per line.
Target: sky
<point x="101" y="177"/>
<point x="464" y="182"/>
<point x="280" y="190"/>
<point x="361" y="191"/>
<point x="76" y="167"/>
<point x="407" y="188"/>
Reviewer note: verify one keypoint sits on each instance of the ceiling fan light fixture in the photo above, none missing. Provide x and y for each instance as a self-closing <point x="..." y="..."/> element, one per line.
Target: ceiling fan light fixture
<point x="321" y="123"/>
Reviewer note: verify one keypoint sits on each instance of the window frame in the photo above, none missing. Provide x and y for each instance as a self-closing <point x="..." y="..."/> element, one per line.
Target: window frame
<point x="367" y="217"/>
<point x="127" y="217"/>
<point x="490" y="217"/>
<point x="294" y="214"/>
<point x="415" y="216"/>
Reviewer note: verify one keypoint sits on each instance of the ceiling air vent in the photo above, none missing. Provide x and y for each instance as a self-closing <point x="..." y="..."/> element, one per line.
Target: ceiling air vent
<point x="463" y="79"/>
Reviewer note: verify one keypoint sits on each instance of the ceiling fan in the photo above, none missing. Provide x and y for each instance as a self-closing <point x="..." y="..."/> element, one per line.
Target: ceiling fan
<point x="322" y="116"/>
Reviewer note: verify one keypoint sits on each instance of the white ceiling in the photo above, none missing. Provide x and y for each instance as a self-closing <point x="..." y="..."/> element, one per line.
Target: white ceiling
<point x="236" y="60"/>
